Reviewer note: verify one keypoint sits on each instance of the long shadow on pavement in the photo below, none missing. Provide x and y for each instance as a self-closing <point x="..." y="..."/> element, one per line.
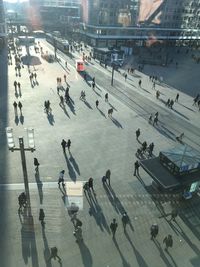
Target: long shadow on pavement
<point x="74" y="163"/>
<point x="162" y="254"/>
<point x="140" y="259"/>
<point x="101" y="112"/>
<point x="116" y="122"/>
<point x="39" y="185"/>
<point x="96" y="211"/>
<point x="29" y="248"/>
<point x="71" y="171"/>
<point x="50" y="118"/>
<point x="114" y="200"/>
<point x="71" y="106"/>
<point x="85" y="254"/>
<point x="87" y="104"/>
<point x="124" y="262"/>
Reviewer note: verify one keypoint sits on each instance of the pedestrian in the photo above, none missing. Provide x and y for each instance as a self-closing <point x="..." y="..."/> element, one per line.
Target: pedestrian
<point x="137" y="133"/>
<point x="195" y="99"/>
<point x="108" y="174"/>
<point x="65" y="77"/>
<point x="20" y="106"/>
<point x="157" y="94"/>
<point x="93" y="85"/>
<point x="154" y="230"/>
<point x="78" y="234"/>
<point x="154" y="85"/>
<point x="41" y="217"/>
<point x="177" y="97"/>
<point x="125" y="76"/>
<point x="168" y="241"/>
<point x="97" y="103"/>
<point x="19" y="85"/>
<point x="69" y="144"/>
<point x="66" y="64"/>
<point x="151" y="147"/>
<point x="174" y="214"/>
<point x="61" y="178"/>
<point x="113" y="227"/>
<point x="90" y="184"/>
<point x="155" y="121"/>
<point x="36" y="163"/>
<point x="171" y="103"/>
<point x="15" y="85"/>
<point x="106" y="97"/>
<point x="15" y="105"/>
<point x="22" y="201"/>
<point x="136" y="170"/>
<point x="54" y="254"/>
<point x="110" y="112"/>
<point x="63" y="144"/>
<point x="140" y="83"/>
<point x="35" y="75"/>
<point x="125" y="220"/>
<point x="93" y="79"/>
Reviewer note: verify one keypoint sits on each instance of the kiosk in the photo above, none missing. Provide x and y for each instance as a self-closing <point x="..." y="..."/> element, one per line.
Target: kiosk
<point x="80" y="66"/>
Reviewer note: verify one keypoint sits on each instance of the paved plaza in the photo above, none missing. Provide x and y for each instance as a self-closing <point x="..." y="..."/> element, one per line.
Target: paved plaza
<point x="98" y="143"/>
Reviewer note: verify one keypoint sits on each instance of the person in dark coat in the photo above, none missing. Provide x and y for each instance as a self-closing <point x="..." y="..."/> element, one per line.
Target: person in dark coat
<point x="136" y="170"/>
<point x="113" y="227"/>
<point x="63" y="144"/>
<point x="69" y="144"/>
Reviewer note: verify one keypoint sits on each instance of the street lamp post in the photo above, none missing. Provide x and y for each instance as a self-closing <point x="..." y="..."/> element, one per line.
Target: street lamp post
<point x="22" y="149"/>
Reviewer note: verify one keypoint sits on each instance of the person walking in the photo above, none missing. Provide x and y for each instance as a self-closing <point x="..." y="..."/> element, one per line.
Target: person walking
<point x="90" y="184"/>
<point x="15" y="106"/>
<point x="154" y="86"/>
<point x="155" y="121"/>
<point x="19" y="85"/>
<point x="137" y="133"/>
<point x="78" y="234"/>
<point x="168" y="241"/>
<point x="20" y="106"/>
<point x="54" y="254"/>
<point x="22" y="201"/>
<point x="61" y="178"/>
<point x="177" y="97"/>
<point x="36" y="163"/>
<point x="150" y="118"/>
<point x="63" y="144"/>
<point x="106" y="97"/>
<point x="171" y="103"/>
<point x="140" y="83"/>
<point x="113" y="227"/>
<point x="154" y="230"/>
<point x="108" y="174"/>
<point x="41" y="217"/>
<point x="136" y="169"/>
<point x="151" y="147"/>
<point x="125" y="220"/>
<point x="125" y="76"/>
<point x="69" y="144"/>
<point x="168" y="102"/>
<point x="61" y="101"/>
<point x="97" y="103"/>
<point x="15" y="85"/>
<point x="65" y="78"/>
<point x="93" y="85"/>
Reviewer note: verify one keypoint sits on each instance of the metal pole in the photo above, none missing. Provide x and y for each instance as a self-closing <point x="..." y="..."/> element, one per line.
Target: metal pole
<point x="25" y="174"/>
<point x="112" y="75"/>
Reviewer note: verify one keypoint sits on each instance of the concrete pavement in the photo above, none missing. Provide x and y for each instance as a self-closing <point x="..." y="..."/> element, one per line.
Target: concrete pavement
<point x="98" y="143"/>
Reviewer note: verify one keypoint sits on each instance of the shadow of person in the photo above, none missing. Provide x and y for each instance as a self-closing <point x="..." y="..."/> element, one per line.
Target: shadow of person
<point x="116" y="122"/>
<point x="39" y="186"/>
<point x="46" y="252"/>
<point x="21" y="118"/>
<point x="112" y="106"/>
<point x="124" y="262"/>
<point x="140" y="259"/>
<point x="16" y="120"/>
<point x="71" y="171"/>
<point x="110" y="196"/>
<point x="101" y="112"/>
<point x="71" y="106"/>
<point x="16" y="94"/>
<point x="162" y="254"/>
<point x="87" y="104"/>
<point x="65" y="111"/>
<point x="50" y="118"/>
<point x="85" y="254"/>
<point x="74" y="163"/>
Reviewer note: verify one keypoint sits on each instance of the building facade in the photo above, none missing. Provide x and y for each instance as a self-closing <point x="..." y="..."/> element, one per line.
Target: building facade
<point x="123" y="23"/>
<point x="2" y="26"/>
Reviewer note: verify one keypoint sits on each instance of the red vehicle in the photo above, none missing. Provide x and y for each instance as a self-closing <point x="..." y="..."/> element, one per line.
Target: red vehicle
<point x="80" y="66"/>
